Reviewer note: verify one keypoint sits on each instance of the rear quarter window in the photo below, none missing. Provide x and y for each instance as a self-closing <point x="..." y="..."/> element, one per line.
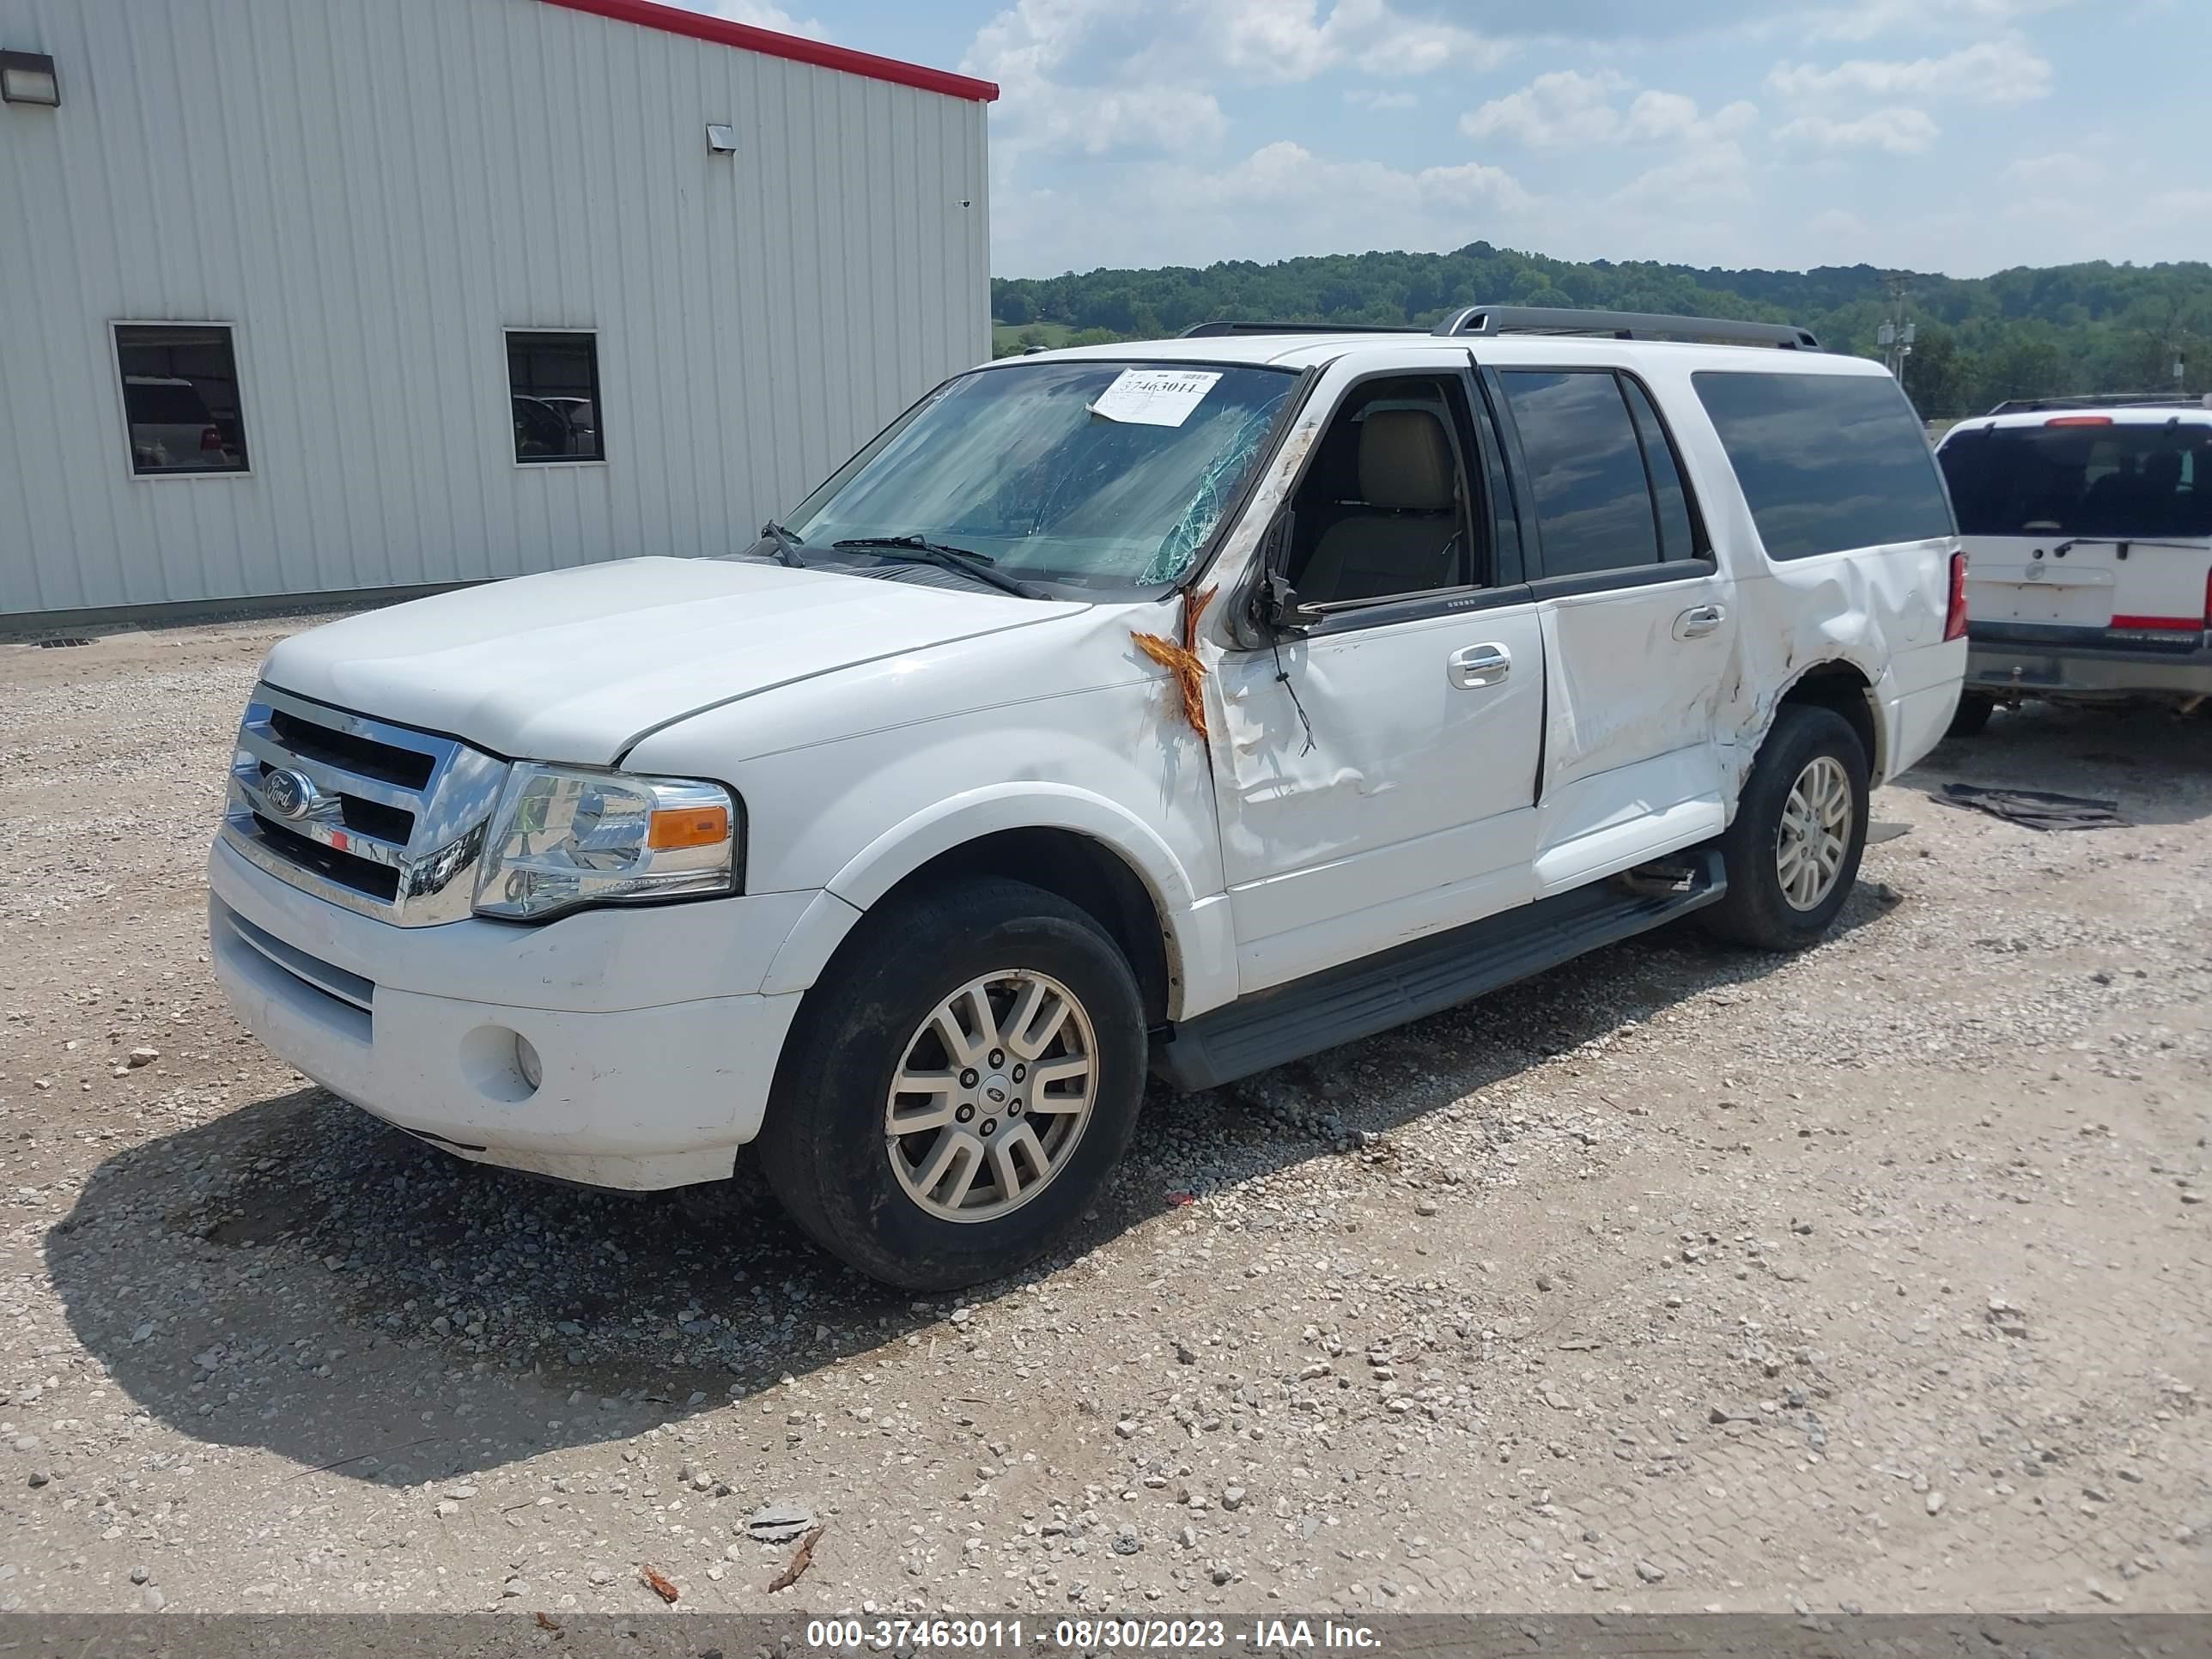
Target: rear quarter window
<point x="1827" y="462"/>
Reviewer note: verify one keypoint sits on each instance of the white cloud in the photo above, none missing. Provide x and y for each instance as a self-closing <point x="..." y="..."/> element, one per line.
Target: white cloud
<point x="1101" y="77"/>
<point x="1278" y="201"/>
<point x="1838" y="228"/>
<point x="1382" y="102"/>
<point x="1285" y="174"/>
<point x="1707" y="172"/>
<point x="2005" y="70"/>
<point x="1863" y="19"/>
<point x="1033" y="50"/>
<point x="1569" y="110"/>
<point x="1135" y="132"/>
<point x="761" y="15"/>
<point x="2062" y="170"/>
<point x="1658" y="116"/>
<point x="1294" y="41"/>
<point x="1899" y="131"/>
<point x="1565" y="109"/>
<point x="1697" y="158"/>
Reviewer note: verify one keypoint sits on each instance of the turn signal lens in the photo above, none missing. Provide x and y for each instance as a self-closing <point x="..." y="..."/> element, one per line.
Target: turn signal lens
<point x="688" y="826"/>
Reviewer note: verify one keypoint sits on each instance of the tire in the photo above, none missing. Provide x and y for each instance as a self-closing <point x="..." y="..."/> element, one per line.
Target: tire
<point x="1972" y="716"/>
<point x="1808" y="746"/>
<point x="881" y="1202"/>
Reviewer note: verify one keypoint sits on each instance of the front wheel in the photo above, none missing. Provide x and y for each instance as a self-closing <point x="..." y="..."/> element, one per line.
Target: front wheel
<point x="959" y="1085"/>
<point x="1793" y="850"/>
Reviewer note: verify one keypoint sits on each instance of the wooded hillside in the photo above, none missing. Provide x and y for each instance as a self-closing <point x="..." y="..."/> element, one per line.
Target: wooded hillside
<point x="2095" y="327"/>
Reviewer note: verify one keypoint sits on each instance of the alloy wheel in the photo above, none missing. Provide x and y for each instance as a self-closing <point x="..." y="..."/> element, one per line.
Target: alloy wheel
<point x="994" y="1091"/>
<point x="1816" y="832"/>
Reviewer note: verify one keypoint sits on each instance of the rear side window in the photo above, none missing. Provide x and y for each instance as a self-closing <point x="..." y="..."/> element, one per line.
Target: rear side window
<point x="1827" y="462"/>
<point x="2081" y="476"/>
<point x="1678" y="528"/>
<point x="1586" y="469"/>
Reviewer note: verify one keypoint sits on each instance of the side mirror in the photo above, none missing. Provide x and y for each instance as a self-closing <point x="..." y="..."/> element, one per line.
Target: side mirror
<point x="1276" y="607"/>
<point x="1281" y="608"/>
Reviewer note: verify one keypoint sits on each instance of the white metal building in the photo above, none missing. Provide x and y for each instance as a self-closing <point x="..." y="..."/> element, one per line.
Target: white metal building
<point x="298" y="296"/>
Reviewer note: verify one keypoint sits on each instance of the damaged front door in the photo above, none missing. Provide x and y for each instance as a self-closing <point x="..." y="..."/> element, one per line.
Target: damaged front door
<point x="1376" y="766"/>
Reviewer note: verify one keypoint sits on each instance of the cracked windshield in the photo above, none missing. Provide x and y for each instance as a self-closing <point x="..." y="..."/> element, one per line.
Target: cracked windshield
<point x="1101" y="474"/>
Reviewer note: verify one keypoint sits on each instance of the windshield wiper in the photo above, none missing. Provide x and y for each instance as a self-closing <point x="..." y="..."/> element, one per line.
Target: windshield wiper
<point x="920" y="549"/>
<point x="787" y="545"/>
<point x="2124" y="541"/>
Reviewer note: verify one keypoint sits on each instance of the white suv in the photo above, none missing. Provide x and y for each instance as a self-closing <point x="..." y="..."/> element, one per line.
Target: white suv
<point x="2089" y="527"/>
<point x="1190" y="705"/>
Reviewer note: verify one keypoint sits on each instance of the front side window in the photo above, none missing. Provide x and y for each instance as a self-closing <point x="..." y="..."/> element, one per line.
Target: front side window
<point x="1586" y="468"/>
<point x="1100" y="474"/>
<point x="553" y="380"/>
<point x="1383" y="511"/>
<point x="1827" y="462"/>
<point x="2081" y="475"/>
<point x="180" y="398"/>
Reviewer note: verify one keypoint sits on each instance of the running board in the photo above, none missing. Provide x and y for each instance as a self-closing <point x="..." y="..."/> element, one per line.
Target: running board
<point x="1342" y="1004"/>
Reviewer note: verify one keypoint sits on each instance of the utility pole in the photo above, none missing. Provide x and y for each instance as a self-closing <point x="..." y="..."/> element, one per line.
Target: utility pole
<point x="1895" y="336"/>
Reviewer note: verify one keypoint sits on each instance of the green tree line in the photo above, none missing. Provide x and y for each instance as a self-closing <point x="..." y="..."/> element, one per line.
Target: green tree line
<point x="2020" y="333"/>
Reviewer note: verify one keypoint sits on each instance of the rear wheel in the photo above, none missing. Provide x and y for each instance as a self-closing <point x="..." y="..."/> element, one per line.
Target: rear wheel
<point x="1793" y="851"/>
<point x="959" y="1086"/>
<point x="1973" y="713"/>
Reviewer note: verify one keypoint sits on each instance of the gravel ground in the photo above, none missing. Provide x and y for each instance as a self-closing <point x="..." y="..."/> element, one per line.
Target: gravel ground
<point x="1678" y="1279"/>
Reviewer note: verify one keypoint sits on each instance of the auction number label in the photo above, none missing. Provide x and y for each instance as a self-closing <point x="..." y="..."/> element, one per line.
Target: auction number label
<point x="890" y="1635"/>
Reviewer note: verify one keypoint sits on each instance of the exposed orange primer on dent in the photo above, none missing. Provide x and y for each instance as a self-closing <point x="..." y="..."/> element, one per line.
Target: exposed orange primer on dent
<point x="1183" y="660"/>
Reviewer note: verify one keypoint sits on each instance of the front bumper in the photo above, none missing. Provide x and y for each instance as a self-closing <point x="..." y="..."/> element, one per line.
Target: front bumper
<point x="655" y="1045"/>
<point x="2028" y="667"/>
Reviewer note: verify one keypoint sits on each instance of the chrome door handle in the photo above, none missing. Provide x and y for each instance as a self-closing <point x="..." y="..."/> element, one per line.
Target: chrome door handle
<point x="1697" y="622"/>
<point x="1478" y="666"/>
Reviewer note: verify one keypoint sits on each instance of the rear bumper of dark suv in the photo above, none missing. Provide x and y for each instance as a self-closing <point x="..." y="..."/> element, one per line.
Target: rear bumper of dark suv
<point x="2036" y="660"/>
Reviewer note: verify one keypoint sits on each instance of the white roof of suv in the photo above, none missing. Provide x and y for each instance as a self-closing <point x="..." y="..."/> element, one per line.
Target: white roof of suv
<point x="1311" y="351"/>
<point x="2142" y="413"/>
<point x="1508" y="335"/>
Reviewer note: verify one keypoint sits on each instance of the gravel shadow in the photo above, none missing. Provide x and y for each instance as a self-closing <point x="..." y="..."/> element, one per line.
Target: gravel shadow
<point x="296" y="1276"/>
<point x="2157" y="765"/>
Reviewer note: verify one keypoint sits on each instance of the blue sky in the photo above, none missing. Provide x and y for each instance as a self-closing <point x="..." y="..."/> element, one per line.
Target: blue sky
<point x="1960" y="136"/>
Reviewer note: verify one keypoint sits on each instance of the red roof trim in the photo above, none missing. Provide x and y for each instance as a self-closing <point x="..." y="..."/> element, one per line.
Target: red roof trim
<point x="744" y="36"/>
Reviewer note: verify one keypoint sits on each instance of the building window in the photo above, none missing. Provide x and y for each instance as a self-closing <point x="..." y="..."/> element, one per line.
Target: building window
<point x="180" y="398"/>
<point x="554" y="380"/>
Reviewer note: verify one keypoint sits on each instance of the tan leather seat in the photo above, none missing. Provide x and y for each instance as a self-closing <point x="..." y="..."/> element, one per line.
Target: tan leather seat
<point x="1407" y="540"/>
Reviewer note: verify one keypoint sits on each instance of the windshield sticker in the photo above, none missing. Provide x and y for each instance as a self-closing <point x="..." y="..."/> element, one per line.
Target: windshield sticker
<point x="1154" y="396"/>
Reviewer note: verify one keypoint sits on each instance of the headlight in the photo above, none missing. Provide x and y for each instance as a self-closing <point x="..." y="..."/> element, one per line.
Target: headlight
<point x="563" y="836"/>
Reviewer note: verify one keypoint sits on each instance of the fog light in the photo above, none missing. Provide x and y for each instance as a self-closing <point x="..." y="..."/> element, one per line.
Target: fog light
<point x="527" y="1063"/>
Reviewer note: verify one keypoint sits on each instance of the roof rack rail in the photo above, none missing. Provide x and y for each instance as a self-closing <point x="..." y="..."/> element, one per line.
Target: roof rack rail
<point x="1623" y="326"/>
<point x="2105" y="400"/>
<point x="1215" y="330"/>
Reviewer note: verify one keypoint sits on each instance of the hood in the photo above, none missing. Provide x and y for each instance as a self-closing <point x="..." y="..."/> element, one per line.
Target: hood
<point x="576" y="665"/>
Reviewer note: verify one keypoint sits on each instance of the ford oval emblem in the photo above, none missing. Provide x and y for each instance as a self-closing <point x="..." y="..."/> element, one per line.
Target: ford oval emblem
<point x="288" y="794"/>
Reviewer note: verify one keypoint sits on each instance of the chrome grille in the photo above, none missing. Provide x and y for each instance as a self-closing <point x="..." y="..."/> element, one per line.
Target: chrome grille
<point x="380" y="818"/>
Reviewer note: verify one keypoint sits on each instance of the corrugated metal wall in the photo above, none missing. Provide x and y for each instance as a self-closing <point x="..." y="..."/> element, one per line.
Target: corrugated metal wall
<point x="371" y="191"/>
